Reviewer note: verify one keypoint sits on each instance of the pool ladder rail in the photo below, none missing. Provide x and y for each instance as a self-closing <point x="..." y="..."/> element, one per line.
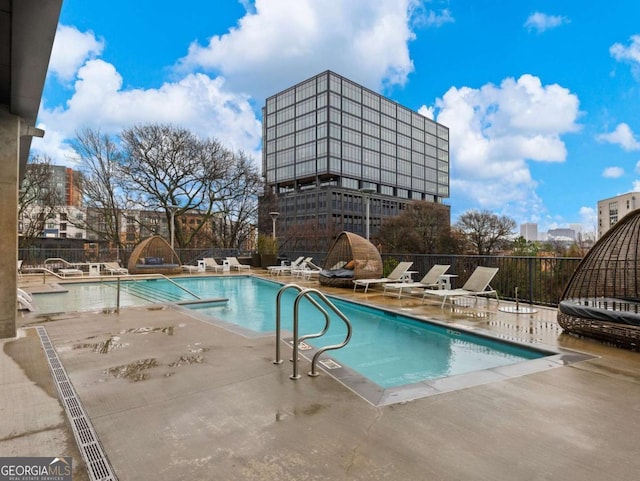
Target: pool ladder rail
<point x="305" y="293"/>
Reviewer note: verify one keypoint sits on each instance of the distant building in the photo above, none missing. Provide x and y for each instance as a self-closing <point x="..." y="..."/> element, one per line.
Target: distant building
<point x="562" y="234"/>
<point x="529" y="231"/>
<point x="613" y="209"/>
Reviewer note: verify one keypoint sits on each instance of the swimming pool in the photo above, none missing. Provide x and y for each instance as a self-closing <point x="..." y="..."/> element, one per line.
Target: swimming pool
<point x="387" y="351"/>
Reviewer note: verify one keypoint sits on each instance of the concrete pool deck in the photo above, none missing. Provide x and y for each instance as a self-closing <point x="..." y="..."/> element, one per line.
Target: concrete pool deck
<point x="174" y="398"/>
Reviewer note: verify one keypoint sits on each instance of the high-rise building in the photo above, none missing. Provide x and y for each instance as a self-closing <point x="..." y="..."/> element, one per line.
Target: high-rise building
<point x="529" y="231"/>
<point x="613" y="209"/>
<point x="332" y="148"/>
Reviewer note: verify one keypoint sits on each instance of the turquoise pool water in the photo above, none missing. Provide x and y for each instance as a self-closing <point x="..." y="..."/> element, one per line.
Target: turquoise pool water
<point x="388" y="349"/>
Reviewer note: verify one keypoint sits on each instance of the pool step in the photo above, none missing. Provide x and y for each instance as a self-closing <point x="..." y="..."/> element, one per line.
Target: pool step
<point x="147" y="290"/>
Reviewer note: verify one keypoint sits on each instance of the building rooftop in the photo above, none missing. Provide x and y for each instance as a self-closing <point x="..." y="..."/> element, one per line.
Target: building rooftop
<point x="171" y="397"/>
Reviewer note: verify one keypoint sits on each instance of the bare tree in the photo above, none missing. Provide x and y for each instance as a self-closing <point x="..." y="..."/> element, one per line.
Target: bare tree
<point x="485" y="231"/>
<point x="38" y="200"/>
<point x="236" y="203"/>
<point x="101" y="185"/>
<point x="421" y="228"/>
<point x="170" y="169"/>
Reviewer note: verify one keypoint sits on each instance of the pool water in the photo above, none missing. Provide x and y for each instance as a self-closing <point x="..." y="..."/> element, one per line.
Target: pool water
<point x="388" y="349"/>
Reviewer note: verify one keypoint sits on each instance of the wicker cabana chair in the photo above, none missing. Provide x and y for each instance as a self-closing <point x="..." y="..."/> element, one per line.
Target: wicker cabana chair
<point x="154" y="255"/>
<point x="350" y="257"/>
<point x="602" y="298"/>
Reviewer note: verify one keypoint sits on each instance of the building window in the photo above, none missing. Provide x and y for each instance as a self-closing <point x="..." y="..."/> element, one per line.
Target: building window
<point x="370" y="99"/>
<point x="306" y="106"/>
<point x="306" y="90"/>
<point x="285" y="128"/>
<point x="285" y="99"/>
<point x="351" y="121"/>
<point x="284" y="115"/>
<point x="371" y="129"/>
<point x="388" y="122"/>
<point x="351" y="90"/>
<point x="305" y="136"/>
<point x="351" y="136"/>
<point x="388" y="107"/>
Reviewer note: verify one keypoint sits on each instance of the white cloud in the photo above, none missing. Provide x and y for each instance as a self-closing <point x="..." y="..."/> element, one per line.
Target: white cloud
<point x="432" y="18"/>
<point x="365" y="40"/>
<point x="622" y="136"/>
<point x="636" y="186"/>
<point x="495" y="131"/>
<point x="630" y="53"/>
<point x="541" y="21"/>
<point x="588" y="219"/>
<point x="197" y="102"/>
<point x="428" y="112"/>
<point x="71" y="48"/>
<point x="613" y="172"/>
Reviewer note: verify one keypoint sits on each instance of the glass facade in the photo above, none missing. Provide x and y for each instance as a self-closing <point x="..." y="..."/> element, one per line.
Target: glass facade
<point x="330" y="131"/>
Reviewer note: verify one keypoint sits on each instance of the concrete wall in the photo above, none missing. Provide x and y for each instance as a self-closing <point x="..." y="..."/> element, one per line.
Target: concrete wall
<point x="9" y="160"/>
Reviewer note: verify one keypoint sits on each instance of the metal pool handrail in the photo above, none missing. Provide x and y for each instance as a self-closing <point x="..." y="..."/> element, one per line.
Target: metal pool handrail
<point x="305" y="293"/>
<point x="297" y="340"/>
<point x="136" y="278"/>
<point x="278" y="319"/>
<point x="278" y="360"/>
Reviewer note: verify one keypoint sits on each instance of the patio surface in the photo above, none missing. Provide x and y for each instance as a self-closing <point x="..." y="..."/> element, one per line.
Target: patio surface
<point x="171" y="397"/>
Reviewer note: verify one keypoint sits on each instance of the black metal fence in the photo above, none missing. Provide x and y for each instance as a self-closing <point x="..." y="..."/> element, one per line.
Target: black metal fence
<point x="538" y="280"/>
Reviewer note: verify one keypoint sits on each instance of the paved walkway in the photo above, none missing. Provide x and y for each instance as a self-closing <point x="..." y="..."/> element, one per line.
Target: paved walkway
<point x="175" y="398"/>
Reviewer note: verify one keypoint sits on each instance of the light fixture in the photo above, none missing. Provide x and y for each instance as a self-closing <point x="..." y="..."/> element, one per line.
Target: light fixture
<point x="274" y="216"/>
<point x="366" y="192"/>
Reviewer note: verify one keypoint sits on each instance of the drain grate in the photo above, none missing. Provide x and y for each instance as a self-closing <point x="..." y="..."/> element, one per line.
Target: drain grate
<point x="94" y="456"/>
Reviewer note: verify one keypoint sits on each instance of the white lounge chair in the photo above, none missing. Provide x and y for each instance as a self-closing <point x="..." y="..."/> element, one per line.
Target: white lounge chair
<point x="429" y="281"/>
<point x="210" y="264"/>
<point x="307" y="269"/>
<point x="234" y="263"/>
<point x="70" y="272"/>
<point x="281" y="269"/>
<point x="395" y="276"/>
<point x="114" y="268"/>
<point x="25" y="301"/>
<point x="477" y="284"/>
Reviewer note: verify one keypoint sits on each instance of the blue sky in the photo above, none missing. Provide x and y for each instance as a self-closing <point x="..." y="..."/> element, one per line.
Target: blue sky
<point x="541" y="97"/>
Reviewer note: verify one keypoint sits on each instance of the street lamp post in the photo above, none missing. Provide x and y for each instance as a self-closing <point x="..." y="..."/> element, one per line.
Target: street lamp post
<point x="172" y="210"/>
<point x="366" y="192"/>
<point x="274" y="216"/>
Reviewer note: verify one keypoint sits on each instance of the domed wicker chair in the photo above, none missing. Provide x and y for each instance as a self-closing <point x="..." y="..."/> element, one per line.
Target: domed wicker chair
<point x="350" y="257"/>
<point x="154" y="255"/>
<point x="602" y="298"/>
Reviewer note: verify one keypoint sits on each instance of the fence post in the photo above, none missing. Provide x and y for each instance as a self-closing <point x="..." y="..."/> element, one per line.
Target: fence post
<point x="118" y="295"/>
<point x="531" y="290"/>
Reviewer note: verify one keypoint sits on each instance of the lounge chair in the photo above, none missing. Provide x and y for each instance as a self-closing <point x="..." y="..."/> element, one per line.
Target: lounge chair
<point x="114" y="268"/>
<point x="234" y="263"/>
<point x="395" y="276"/>
<point x="70" y="272"/>
<point x="277" y="270"/>
<point x="429" y="281"/>
<point x="25" y="301"/>
<point x="476" y="285"/>
<point x="210" y="264"/>
<point x="307" y="269"/>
